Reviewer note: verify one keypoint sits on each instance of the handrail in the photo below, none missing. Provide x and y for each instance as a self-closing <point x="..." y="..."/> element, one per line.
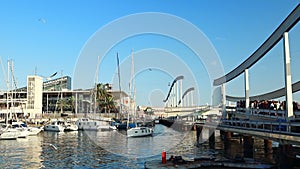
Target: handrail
<point x="275" y="37"/>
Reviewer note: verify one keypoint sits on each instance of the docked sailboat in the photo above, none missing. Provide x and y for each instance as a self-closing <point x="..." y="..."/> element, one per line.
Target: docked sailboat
<point x="23" y="132"/>
<point x="137" y="131"/>
<point x="7" y="130"/>
<point x="8" y="133"/>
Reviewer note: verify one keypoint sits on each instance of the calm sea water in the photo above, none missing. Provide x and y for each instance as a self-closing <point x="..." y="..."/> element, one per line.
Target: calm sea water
<point x="109" y="149"/>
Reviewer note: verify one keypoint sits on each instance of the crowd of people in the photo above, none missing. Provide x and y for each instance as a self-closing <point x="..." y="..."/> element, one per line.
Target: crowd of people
<point x="267" y="104"/>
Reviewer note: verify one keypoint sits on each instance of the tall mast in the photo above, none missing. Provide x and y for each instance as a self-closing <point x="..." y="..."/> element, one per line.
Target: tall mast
<point x="119" y="77"/>
<point x="7" y="81"/>
<point x="133" y="85"/>
<point x="132" y="88"/>
<point x="11" y="87"/>
<point x="96" y="81"/>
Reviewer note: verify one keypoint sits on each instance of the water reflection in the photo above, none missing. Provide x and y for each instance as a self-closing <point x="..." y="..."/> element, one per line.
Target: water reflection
<point x="21" y="153"/>
<point x="142" y="147"/>
<point x="111" y="149"/>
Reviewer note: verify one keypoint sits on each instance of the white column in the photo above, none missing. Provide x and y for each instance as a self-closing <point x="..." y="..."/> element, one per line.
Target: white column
<point x="246" y="75"/>
<point x="176" y="93"/>
<point x="223" y="92"/>
<point x="172" y="97"/>
<point x="192" y="98"/>
<point x="76" y="98"/>
<point x="288" y="76"/>
<point x="180" y="95"/>
<point x="188" y="100"/>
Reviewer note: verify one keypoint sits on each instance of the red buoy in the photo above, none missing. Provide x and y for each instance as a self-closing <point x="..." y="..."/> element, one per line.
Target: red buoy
<point x="164" y="157"/>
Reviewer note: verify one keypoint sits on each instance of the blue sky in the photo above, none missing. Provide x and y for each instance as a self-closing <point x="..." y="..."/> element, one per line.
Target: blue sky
<point x="48" y="36"/>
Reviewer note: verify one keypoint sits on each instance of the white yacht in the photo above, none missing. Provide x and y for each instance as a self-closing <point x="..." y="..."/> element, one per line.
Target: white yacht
<point x="33" y="131"/>
<point x="69" y="126"/>
<point x="88" y="124"/>
<point x="139" y="132"/>
<point x="29" y="131"/>
<point x="57" y="126"/>
<point x="23" y="132"/>
<point x="8" y="133"/>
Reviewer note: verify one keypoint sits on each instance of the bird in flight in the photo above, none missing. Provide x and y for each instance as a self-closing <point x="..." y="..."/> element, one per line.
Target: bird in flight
<point x="42" y="20"/>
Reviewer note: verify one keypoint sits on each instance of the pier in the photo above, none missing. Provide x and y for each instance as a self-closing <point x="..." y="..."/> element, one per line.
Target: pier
<point x="256" y="116"/>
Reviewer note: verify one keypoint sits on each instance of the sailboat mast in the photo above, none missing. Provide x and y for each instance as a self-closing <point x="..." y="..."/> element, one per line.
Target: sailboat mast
<point x="119" y="77"/>
<point x="7" y="81"/>
<point x="132" y="89"/>
<point x="96" y="87"/>
<point x="133" y="85"/>
<point x="12" y="88"/>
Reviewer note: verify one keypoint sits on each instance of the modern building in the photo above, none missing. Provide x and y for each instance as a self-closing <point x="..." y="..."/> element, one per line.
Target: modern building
<point x="34" y="95"/>
<point x="54" y="96"/>
<point x="62" y="83"/>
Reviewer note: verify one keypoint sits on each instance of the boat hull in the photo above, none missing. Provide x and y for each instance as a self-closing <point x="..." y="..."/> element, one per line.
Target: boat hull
<point x="9" y="134"/>
<point x="87" y="124"/>
<point x="55" y="128"/>
<point x="139" y="132"/>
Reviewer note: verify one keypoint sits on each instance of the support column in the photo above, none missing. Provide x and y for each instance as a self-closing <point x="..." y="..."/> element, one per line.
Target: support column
<point x="227" y="136"/>
<point x="175" y="94"/>
<point x="76" y="103"/>
<point x="180" y="96"/>
<point x="192" y="97"/>
<point x="288" y="77"/>
<point x="188" y="100"/>
<point x="268" y="146"/>
<point x="198" y="133"/>
<point x="268" y="149"/>
<point x="211" y="138"/>
<point x="246" y="75"/>
<point x="284" y="156"/>
<point x="248" y="146"/>
<point x="223" y="92"/>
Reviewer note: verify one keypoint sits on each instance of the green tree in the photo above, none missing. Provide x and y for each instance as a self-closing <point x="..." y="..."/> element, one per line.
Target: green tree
<point x="61" y="105"/>
<point x="104" y="98"/>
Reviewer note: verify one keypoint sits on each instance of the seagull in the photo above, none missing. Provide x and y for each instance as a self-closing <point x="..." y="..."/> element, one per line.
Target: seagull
<point x="43" y="20"/>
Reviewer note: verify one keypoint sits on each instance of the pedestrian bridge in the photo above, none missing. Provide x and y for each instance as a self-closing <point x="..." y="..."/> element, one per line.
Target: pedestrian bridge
<point x="282" y="125"/>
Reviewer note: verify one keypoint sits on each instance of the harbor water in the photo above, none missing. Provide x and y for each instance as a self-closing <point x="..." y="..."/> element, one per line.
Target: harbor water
<point x="108" y="149"/>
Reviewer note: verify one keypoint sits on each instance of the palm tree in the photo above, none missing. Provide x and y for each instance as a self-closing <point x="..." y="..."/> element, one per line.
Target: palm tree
<point x="61" y="104"/>
<point x="104" y="99"/>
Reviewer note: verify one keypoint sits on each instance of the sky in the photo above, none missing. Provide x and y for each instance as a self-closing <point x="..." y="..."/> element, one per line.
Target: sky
<point x="43" y="37"/>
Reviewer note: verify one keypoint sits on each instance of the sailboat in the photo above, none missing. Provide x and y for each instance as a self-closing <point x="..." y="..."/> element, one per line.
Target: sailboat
<point x="137" y="131"/>
<point x="94" y="122"/>
<point x="7" y="132"/>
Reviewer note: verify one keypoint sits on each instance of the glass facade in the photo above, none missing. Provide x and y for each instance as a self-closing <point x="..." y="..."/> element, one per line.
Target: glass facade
<point x="58" y="84"/>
